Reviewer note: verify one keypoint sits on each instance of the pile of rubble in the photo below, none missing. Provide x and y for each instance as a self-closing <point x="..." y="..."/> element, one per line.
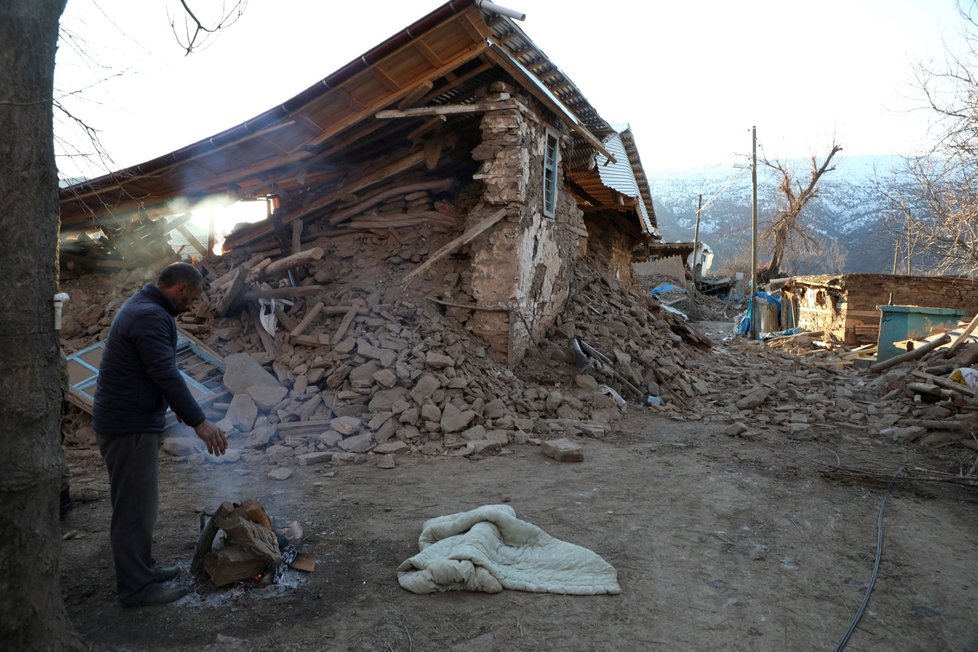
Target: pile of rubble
<point x="927" y="404"/>
<point x="361" y="364"/>
<point x="358" y="364"/>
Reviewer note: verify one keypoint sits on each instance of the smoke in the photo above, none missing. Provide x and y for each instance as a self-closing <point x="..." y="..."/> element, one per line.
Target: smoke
<point x="215" y="213"/>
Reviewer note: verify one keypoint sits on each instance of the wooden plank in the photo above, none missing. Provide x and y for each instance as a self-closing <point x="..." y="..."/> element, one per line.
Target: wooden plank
<point x="425" y="127"/>
<point x="428" y="53"/>
<point x="445" y="109"/>
<point x="233" y="293"/>
<point x="910" y="355"/>
<point x="287" y="263"/>
<point x="285" y="319"/>
<point x="297" y="236"/>
<point x="344" y="325"/>
<point x="960" y="339"/>
<point x="266" y="338"/>
<point x="458" y="242"/>
<point x="346" y="213"/>
<point x="192" y="239"/>
<point x="284" y="293"/>
<point x="414" y="97"/>
<point x="385" y="79"/>
<point x="947" y="384"/>
<point x="355" y="185"/>
<point x="307" y="320"/>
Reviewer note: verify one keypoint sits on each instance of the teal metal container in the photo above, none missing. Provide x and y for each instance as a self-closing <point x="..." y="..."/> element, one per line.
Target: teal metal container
<point x="898" y="323"/>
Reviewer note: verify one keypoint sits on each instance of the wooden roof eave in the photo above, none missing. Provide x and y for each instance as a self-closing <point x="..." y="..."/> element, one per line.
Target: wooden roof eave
<point x="457" y="17"/>
<point x="519" y="72"/>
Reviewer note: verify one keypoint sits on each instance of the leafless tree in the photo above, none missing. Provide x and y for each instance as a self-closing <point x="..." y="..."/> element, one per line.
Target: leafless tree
<point x="32" y="614"/>
<point x="788" y="230"/>
<point x="944" y="222"/>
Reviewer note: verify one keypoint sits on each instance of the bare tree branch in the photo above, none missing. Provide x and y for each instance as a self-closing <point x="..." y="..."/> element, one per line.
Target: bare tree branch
<point x="787" y="230"/>
<point x="196" y="31"/>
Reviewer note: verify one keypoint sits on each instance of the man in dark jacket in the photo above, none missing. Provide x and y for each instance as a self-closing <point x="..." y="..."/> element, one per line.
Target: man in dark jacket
<point x="138" y="378"/>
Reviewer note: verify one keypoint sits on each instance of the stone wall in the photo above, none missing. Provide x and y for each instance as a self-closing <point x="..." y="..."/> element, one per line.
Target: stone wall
<point x="526" y="261"/>
<point x="611" y="242"/>
<point x="847" y="305"/>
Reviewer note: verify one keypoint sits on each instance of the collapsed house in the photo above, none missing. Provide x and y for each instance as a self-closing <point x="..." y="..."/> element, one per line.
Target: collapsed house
<point x="847" y="306"/>
<point x="458" y="123"/>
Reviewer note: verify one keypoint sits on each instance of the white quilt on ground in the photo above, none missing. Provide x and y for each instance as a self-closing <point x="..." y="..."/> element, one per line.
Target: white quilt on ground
<point x="489" y="549"/>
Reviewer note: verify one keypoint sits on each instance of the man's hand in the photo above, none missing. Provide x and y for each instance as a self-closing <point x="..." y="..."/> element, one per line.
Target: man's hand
<point x="214" y="437"/>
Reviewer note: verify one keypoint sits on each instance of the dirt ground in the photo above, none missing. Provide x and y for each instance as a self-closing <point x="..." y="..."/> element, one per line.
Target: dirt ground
<point x="719" y="543"/>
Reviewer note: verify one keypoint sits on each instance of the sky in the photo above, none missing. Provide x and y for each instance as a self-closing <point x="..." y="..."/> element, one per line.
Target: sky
<point x="690" y="77"/>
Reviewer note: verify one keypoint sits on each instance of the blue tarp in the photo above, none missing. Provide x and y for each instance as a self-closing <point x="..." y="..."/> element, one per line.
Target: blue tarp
<point x="662" y="288"/>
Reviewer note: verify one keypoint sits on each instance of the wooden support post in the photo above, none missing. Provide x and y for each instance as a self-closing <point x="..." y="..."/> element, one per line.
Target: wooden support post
<point x="308" y="319"/>
<point x="458" y="242"/>
<point x="296" y="237"/>
<point x="230" y="298"/>
<point x="192" y="239"/>
<point x="960" y="339"/>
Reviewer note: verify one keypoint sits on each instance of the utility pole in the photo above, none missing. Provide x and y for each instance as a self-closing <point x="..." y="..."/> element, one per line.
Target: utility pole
<point x="696" y="248"/>
<point x="908" y="243"/>
<point x="753" y="239"/>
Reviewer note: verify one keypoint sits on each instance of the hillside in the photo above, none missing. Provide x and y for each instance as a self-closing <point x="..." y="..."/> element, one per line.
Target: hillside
<point x="849" y="213"/>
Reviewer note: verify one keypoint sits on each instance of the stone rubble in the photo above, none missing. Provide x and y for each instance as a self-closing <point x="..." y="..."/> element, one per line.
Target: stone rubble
<point x="403" y="376"/>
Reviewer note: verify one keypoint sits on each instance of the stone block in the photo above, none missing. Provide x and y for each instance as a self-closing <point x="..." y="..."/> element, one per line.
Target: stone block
<point x="267" y="397"/>
<point x="453" y="419"/>
<point x="357" y="443"/>
<point x="242" y="412"/>
<point x="346" y="426"/>
<point x="494" y="409"/>
<point x="424" y="388"/>
<point x="330" y="438"/>
<point x="241" y="371"/>
<point x="385" y="378"/>
<point x="562" y="450"/>
<point x="309" y="459"/>
<point x="395" y="447"/>
<point x="438" y="360"/>
<point x="280" y="474"/>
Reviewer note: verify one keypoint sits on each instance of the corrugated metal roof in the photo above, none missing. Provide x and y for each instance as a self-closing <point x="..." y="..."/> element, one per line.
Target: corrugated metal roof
<point x="620" y="176"/>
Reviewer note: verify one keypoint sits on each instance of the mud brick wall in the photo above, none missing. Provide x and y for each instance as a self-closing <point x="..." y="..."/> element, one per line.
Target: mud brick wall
<point x="847" y="305"/>
<point x="526" y="261"/>
<point x="611" y="242"/>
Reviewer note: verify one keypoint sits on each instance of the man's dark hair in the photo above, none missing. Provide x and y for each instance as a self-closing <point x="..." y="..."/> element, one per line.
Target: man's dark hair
<point x="176" y="273"/>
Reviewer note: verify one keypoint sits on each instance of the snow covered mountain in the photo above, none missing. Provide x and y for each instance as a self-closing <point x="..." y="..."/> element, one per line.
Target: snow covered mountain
<point x="849" y="214"/>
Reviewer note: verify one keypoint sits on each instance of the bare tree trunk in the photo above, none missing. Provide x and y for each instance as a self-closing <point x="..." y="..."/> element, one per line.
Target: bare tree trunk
<point x="787" y="226"/>
<point x="32" y="614"/>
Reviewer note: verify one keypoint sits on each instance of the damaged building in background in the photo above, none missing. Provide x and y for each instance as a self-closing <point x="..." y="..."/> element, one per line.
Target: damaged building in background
<point x="457" y="135"/>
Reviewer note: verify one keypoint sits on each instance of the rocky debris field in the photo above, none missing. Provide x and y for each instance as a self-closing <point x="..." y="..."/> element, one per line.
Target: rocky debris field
<point x="363" y="367"/>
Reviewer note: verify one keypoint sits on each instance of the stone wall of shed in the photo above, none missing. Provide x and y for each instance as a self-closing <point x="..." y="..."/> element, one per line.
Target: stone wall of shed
<point x="847" y="305"/>
<point x="526" y="262"/>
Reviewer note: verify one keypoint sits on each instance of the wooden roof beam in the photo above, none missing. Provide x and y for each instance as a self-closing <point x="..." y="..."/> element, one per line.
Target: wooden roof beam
<point x="445" y="109"/>
<point x="421" y="46"/>
<point x="542" y="93"/>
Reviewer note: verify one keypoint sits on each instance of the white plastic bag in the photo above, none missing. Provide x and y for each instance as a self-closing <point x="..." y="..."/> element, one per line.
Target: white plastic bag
<point x="965" y="376"/>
